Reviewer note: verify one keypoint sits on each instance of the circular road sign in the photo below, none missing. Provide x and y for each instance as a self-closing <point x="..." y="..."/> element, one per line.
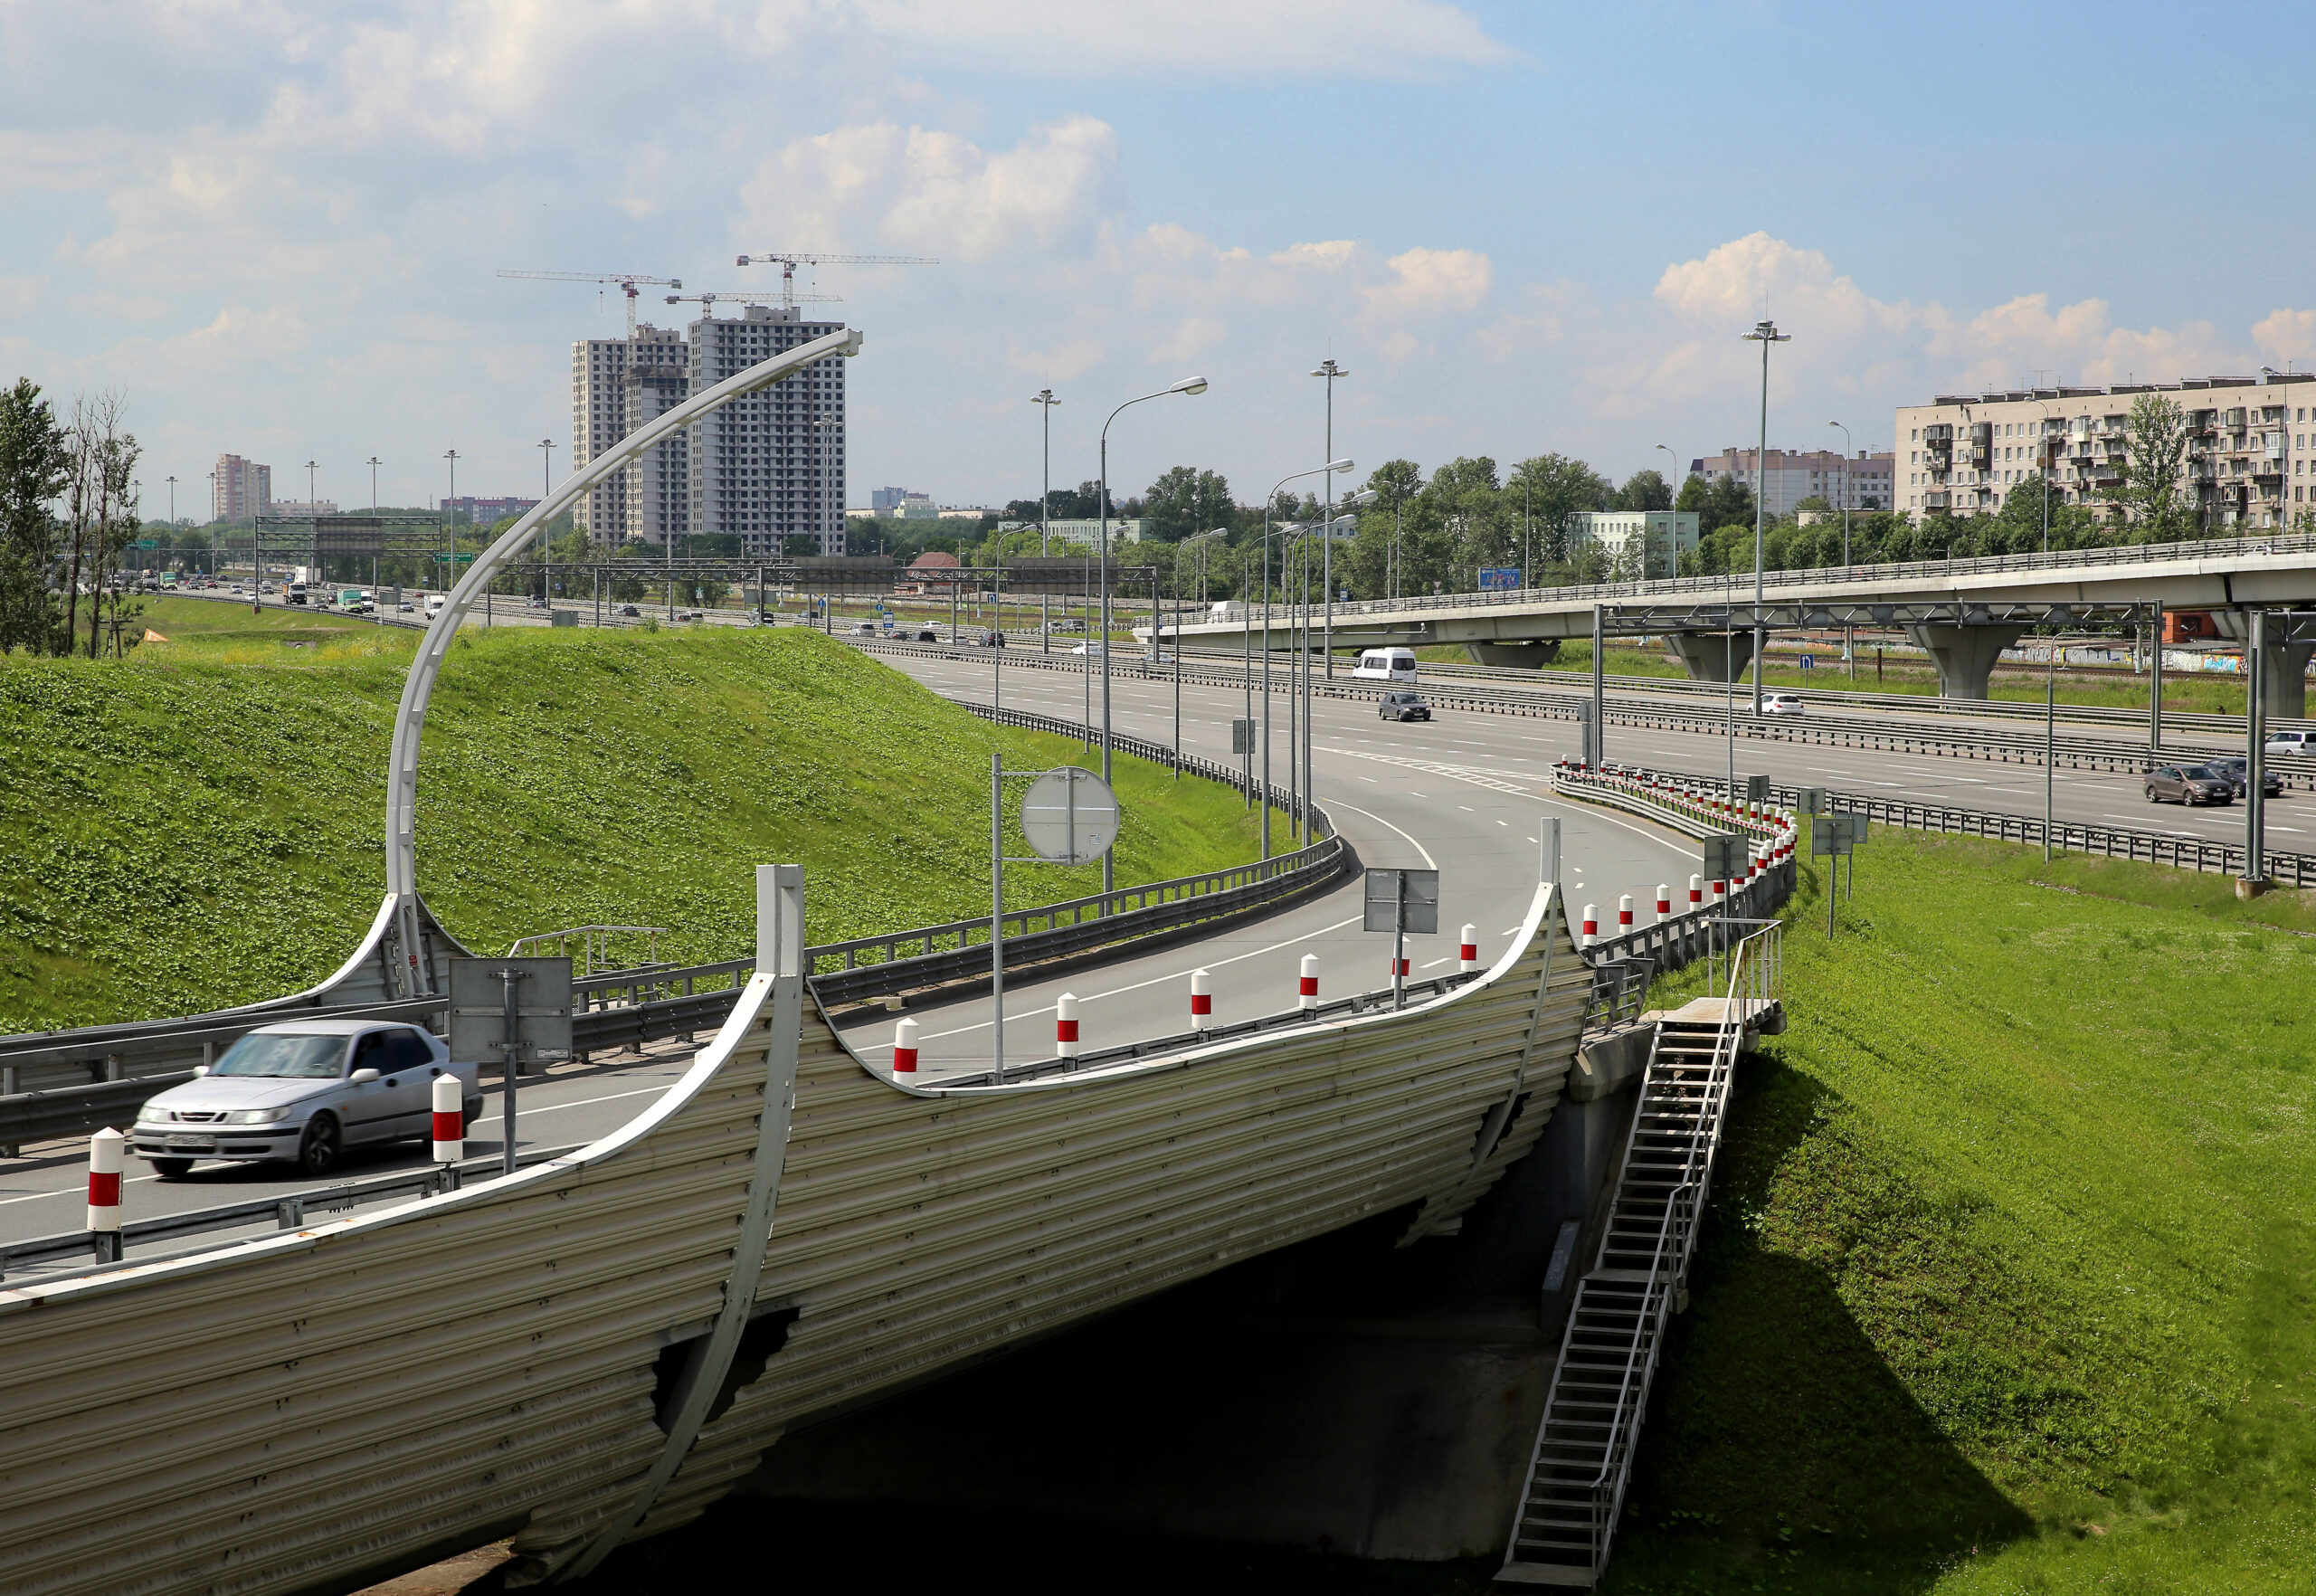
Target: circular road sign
<point x="1070" y="816"/>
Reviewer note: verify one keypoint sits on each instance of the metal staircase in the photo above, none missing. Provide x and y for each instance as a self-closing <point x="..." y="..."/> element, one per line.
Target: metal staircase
<point x="1584" y="1449"/>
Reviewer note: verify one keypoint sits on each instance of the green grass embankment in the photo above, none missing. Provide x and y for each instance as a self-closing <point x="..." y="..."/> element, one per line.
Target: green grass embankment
<point x="2009" y="1282"/>
<point x="201" y="823"/>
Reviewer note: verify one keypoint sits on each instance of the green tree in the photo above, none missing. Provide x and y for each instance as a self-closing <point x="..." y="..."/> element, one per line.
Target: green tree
<point x="2155" y="443"/>
<point x="34" y="461"/>
<point x="1187" y="500"/>
<point x="1645" y="490"/>
<point x="1549" y="489"/>
<point x="1718" y="502"/>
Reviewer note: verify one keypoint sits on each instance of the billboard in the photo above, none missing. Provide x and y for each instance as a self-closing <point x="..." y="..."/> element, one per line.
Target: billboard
<point x="1499" y="578"/>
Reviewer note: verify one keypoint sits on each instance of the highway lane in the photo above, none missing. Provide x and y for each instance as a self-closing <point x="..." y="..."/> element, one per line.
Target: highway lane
<point x="1413" y="795"/>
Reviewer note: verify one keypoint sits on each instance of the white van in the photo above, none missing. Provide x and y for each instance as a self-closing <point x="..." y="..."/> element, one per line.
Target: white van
<point x="1386" y="665"/>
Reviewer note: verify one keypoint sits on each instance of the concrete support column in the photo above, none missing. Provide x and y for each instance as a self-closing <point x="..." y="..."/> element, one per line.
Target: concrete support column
<point x="1966" y="655"/>
<point x="1710" y="656"/>
<point x="1534" y="656"/>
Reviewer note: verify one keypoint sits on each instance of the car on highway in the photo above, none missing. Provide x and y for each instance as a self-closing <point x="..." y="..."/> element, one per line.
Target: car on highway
<point x="1782" y="704"/>
<point x="1094" y="649"/>
<point x="919" y="634"/>
<point x="862" y="629"/>
<point x="691" y="615"/>
<point x="1403" y="707"/>
<point x="302" y="1091"/>
<point x="2290" y="742"/>
<point x="2238" y="773"/>
<point x="2189" y="785"/>
<point x="405" y="608"/>
<point x="627" y="610"/>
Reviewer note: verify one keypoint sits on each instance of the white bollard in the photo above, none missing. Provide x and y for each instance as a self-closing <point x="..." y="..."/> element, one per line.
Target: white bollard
<point x="1469" y="953"/>
<point x="1696" y="892"/>
<point x="450" y="1111"/>
<point x="1664" y="903"/>
<point x="905" y="1047"/>
<point x="1720" y="892"/>
<point x="1202" y="999"/>
<point x="1065" y="1025"/>
<point x="108" y="1152"/>
<point x="1591" y="926"/>
<point x="1306" y="987"/>
<point x="1623" y="914"/>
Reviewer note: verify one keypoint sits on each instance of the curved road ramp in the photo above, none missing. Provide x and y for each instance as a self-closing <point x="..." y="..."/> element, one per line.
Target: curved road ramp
<point x="599" y="1346"/>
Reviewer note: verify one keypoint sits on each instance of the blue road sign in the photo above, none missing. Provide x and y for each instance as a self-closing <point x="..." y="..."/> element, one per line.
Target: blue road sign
<point x="1499" y="578"/>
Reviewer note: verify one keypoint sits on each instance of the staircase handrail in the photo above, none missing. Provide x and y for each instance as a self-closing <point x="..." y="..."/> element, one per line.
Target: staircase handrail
<point x="1649" y="1288"/>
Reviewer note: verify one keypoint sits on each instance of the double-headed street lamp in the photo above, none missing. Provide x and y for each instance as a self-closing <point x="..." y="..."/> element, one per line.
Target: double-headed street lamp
<point x="1328" y="369"/>
<point x="1270" y="503"/>
<point x="1849" y="650"/>
<point x="1045" y="402"/>
<point x="1672" y="507"/>
<point x="1764" y="333"/>
<point x="1195" y="384"/>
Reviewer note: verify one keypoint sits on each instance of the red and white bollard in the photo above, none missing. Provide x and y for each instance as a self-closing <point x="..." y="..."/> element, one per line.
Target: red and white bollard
<point x="1664" y="903"/>
<point x="447" y="1105"/>
<point x="1623" y="914"/>
<point x="1307" y="987"/>
<point x="905" y="1047"/>
<point x="1591" y="926"/>
<point x="107" y="1152"/>
<point x="1696" y="892"/>
<point x="1065" y="1025"/>
<point x="1401" y="971"/>
<point x="1720" y="892"/>
<point x="1469" y="953"/>
<point x="1201" y="1001"/>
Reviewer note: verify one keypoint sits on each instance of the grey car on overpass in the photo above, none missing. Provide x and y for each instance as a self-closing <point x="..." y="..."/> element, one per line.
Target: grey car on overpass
<point x="303" y="1090"/>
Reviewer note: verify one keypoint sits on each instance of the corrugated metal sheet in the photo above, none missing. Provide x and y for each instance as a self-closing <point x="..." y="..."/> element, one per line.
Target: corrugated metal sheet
<point x="354" y="1397"/>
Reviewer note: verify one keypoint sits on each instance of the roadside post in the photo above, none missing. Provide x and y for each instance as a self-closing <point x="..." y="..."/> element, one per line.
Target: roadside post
<point x="1069" y="816"/>
<point x="1826" y="837"/>
<point x="519" y="1009"/>
<point x="1722" y="853"/>
<point x="448" y="1126"/>
<point x="1242" y="743"/>
<point x="1399" y="902"/>
<point x="1856" y="828"/>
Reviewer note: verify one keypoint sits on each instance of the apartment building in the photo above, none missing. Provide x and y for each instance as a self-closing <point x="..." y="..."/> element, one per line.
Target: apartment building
<point x="769" y="466"/>
<point x="2244" y="463"/>
<point x="1651" y="541"/>
<point x="483" y="511"/>
<point x="308" y="508"/>
<point x="240" y="490"/>
<point x="617" y="384"/>
<point x="1785" y="477"/>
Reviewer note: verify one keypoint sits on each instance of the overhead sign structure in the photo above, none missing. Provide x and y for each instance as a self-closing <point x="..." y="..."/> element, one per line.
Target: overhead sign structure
<point x="1499" y="578"/>
<point x="1069" y="816"/>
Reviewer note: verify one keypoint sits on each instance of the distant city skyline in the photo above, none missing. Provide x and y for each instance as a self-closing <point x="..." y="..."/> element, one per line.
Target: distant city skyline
<point x="1453" y="202"/>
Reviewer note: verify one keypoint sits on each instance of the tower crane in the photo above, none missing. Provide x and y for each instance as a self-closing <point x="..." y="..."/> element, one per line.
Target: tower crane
<point x="707" y="301"/>
<point x="789" y="261"/>
<point x="627" y="281"/>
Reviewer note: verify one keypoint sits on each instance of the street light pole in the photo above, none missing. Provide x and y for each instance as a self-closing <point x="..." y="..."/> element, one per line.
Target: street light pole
<point x="1270" y="504"/>
<point x="1764" y="333"/>
<point x="1673" y="534"/>
<point x="1328" y="369"/>
<point x="1045" y="402"/>
<point x="1193" y="385"/>
<point x="1849" y="652"/>
<point x="546" y="488"/>
<point x="451" y="524"/>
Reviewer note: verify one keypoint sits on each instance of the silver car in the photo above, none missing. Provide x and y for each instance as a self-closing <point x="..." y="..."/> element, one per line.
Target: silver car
<point x="303" y="1090"/>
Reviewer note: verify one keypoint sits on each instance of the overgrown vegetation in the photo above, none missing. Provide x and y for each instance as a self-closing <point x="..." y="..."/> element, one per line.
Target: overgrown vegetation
<point x="2007" y="1281"/>
<point x="202" y="825"/>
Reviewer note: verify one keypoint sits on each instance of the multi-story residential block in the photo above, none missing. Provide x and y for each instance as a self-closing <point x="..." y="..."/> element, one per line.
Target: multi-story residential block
<point x="770" y="467"/>
<point x="302" y="507"/>
<point x="1786" y="477"/>
<point x="240" y="490"/>
<point x="483" y="511"/>
<point x="2243" y="465"/>
<point x="1651" y="542"/>
<point x="617" y="384"/>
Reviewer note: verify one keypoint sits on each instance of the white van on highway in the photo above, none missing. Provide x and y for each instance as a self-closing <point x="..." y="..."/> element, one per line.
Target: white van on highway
<point x="1385" y="665"/>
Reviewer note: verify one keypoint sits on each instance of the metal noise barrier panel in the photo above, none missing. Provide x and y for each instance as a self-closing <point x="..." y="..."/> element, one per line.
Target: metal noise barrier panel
<point x="333" y="1405"/>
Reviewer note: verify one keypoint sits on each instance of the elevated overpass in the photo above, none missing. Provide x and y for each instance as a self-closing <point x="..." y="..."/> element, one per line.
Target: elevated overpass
<point x="1964" y="611"/>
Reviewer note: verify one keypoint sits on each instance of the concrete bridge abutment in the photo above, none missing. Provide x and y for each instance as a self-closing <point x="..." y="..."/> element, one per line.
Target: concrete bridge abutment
<point x="1965" y="655"/>
<point x="2283" y="667"/>
<point x="1712" y="656"/>
<point x="1531" y="656"/>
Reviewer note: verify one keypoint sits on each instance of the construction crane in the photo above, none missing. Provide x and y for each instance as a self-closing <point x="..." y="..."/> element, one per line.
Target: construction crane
<point x="627" y="281"/>
<point x="789" y="262"/>
<point x="707" y="302"/>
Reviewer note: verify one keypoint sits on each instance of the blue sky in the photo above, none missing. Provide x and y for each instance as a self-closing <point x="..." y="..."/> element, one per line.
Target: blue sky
<point x="275" y="226"/>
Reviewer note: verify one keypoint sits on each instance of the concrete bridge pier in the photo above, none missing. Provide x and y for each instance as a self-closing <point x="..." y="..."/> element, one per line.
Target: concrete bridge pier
<point x="1965" y="655"/>
<point x="1712" y="656"/>
<point x="1532" y="656"/>
<point x="2283" y="667"/>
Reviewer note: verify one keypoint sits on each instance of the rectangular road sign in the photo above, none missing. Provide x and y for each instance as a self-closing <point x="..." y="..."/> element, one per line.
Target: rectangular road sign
<point x="1807" y="663"/>
<point x="1414" y="891"/>
<point x="1242" y="737"/>
<point x="478" y="1009"/>
<point x="1724" y="858"/>
<point x="1499" y="578"/>
<point x="1812" y="801"/>
<point x="443" y="559"/>
<point x="1853" y="827"/>
<point x="1757" y="789"/>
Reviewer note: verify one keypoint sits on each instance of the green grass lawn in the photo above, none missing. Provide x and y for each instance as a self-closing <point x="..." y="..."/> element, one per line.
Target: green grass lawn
<point x="2009" y="1278"/>
<point x="201" y="823"/>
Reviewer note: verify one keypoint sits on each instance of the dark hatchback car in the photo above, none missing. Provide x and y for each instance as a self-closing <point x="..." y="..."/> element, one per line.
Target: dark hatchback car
<point x="2238" y="773"/>
<point x="1403" y="707"/>
<point x="2190" y="784"/>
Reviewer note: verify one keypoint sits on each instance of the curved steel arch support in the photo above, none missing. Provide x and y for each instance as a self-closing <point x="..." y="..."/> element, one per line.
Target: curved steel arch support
<point x="418" y="688"/>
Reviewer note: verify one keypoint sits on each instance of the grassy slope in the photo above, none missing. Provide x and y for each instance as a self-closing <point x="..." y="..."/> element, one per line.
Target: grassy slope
<point x="2009" y="1280"/>
<point x="201" y="823"/>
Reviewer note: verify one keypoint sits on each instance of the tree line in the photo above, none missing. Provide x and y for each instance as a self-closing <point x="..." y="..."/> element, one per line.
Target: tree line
<point x="68" y="510"/>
